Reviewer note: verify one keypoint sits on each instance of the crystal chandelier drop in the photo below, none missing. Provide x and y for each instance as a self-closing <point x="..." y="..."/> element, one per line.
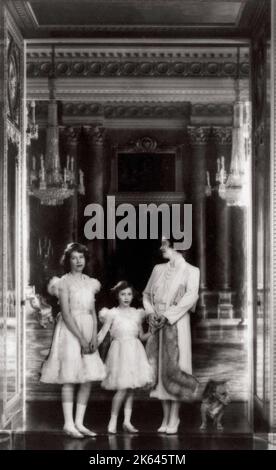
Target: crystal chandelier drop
<point x="236" y="183"/>
<point x="48" y="181"/>
<point x="232" y="186"/>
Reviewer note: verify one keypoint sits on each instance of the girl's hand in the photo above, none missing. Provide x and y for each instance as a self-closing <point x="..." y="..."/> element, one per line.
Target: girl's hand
<point x="85" y="346"/>
<point x="93" y="345"/>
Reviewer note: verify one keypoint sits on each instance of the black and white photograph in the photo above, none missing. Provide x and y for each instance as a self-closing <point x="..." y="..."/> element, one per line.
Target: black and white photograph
<point x="137" y="227"/>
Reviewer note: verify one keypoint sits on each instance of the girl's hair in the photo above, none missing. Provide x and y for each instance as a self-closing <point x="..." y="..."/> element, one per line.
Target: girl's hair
<point x="65" y="260"/>
<point x="122" y="285"/>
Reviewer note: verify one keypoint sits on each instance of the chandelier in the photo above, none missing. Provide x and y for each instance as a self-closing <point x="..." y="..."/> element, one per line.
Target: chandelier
<point x="232" y="186"/>
<point x="48" y="181"/>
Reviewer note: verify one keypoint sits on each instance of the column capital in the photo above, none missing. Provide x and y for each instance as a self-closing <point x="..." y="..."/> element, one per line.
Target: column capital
<point x="222" y="135"/>
<point x="199" y="135"/>
<point x="71" y="135"/>
<point x="95" y="133"/>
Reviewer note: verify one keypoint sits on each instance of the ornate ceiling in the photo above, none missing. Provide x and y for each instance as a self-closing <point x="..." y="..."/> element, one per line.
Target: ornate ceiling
<point x="167" y="18"/>
<point x="138" y="59"/>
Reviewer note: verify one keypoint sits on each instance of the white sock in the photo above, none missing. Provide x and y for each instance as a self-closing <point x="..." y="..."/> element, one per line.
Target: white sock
<point x="68" y="414"/>
<point x="113" y="420"/>
<point x="127" y="415"/>
<point x="80" y="414"/>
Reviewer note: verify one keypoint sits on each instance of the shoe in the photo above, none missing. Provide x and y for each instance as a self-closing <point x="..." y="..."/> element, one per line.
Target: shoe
<point x="73" y="433"/>
<point x="162" y="429"/>
<point x="86" y="432"/>
<point x="129" y="428"/>
<point x="173" y="429"/>
<point x="111" y="429"/>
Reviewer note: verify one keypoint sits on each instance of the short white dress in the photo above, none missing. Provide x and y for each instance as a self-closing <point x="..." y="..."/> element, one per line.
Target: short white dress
<point x="65" y="363"/>
<point x="127" y="365"/>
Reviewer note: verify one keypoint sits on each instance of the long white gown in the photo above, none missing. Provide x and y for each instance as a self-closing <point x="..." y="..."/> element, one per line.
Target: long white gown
<point x="172" y="291"/>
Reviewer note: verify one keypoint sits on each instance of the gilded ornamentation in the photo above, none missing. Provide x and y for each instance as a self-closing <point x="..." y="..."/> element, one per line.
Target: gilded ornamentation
<point x="13" y="82"/>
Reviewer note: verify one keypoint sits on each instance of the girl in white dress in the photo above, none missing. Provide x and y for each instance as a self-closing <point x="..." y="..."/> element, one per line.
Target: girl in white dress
<point x="127" y="365"/>
<point x="73" y="357"/>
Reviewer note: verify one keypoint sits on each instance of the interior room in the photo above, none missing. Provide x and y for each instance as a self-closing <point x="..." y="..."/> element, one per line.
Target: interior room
<point x="139" y="102"/>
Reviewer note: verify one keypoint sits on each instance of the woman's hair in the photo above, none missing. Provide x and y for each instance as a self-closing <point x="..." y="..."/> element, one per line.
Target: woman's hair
<point x="167" y="242"/>
<point x="122" y="285"/>
<point x="65" y="260"/>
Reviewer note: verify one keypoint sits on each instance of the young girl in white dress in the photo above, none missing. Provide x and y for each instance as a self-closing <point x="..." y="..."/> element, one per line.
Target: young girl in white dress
<point x="127" y="365"/>
<point x="74" y="358"/>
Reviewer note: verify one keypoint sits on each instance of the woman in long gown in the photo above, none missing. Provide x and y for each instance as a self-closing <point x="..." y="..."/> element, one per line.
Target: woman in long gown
<point x="171" y="293"/>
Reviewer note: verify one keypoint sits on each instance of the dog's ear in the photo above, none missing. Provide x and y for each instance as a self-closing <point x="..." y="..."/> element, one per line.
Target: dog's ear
<point x="209" y="388"/>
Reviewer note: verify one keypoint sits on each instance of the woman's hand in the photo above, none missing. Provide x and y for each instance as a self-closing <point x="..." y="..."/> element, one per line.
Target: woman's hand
<point x="161" y="321"/>
<point x="156" y="322"/>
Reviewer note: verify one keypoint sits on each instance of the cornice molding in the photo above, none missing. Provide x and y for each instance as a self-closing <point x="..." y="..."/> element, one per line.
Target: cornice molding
<point x="121" y="110"/>
<point x="148" y="51"/>
<point x="23" y="14"/>
<point x="147" y="198"/>
<point x="158" y="90"/>
<point x="14" y="29"/>
<point x="197" y="114"/>
<point x="135" y="67"/>
<point x="212" y="109"/>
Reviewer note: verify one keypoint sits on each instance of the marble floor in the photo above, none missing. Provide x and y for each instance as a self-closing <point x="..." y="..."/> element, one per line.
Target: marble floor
<point x="42" y="430"/>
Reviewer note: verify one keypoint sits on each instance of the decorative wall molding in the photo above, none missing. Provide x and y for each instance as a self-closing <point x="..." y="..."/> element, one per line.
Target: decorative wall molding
<point x="126" y="110"/>
<point x="154" y="52"/>
<point x="142" y="90"/>
<point x="202" y="134"/>
<point x="147" y="198"/>
<point x="13" y="82"/>
<point x="145" y="144"/>
<point x="212" y="109"/>
<point x="135" y="68"/>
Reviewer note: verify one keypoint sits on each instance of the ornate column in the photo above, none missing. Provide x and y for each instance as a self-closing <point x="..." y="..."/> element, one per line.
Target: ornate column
<point x="95" y="192"/>
<point x="222" y="137"/>
<point x="198" y="137"/>
<point x="71" y="139"/>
